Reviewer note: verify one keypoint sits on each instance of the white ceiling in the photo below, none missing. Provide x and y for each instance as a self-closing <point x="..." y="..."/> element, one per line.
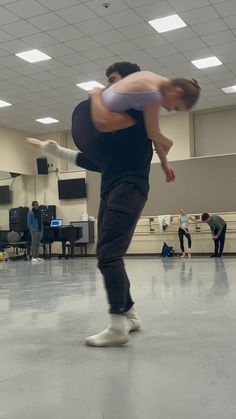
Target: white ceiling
<point x="83" y="38"/>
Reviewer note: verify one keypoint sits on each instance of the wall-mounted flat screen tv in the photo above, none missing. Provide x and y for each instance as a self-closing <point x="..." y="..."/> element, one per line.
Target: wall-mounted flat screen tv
<point x="72" y="188"/>
<point x="5" y="196"/>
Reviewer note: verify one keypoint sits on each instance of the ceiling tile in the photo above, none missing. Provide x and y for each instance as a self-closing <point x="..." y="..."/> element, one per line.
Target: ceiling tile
<point x="26" y="8"/>
<point x="8" y="74"/>
<point x="155" y="10"/>
<point x="37" y="87"/>
<point x="11" y="61"/>
<point x="212" y="26"/>
<point x="67" y="33"/>
<point x="189" y="44"/>
<point x="7" y="17"/>
<point x="125" y="18"/>
<point x="106" y="62"/>
<point x="226" y="8"/>
<point x="93" y="26"/>
<point x="73" y="59"/>
<point x="4" y="53"/>
<point x="22" y="80"/>
<point x="202" y="14"/>
<point x="16" y="46"/>
<point x="39" y="40"/>
<point x="28" y="69"/>
<point x="41" y="76"/>
<point x="138" y="31"/>
<point x="162" y="51"/>
<point x="115" y="6"/>
<point x="97" y="53"/>
<point x="150" y="41"/>
<point x="218" y="38"/>
<point x="58" y="4"/>
<point x="110" y="37"/>
<point x="89" y="66"/>
<point x="173" y="59"/>
<point x="179" y="35"/>
<point x="48" y="21"/>
<point x="224" y="48"/>
<point x="83" y="44"/>
<point x="4" y="37"/>
<point x="230" y="21"/>
<point x="197" y="54"/>
<point x="183" y="5"/>
<point x="57" y="50"/>
<point x="20" y="29"/>
<point x="227" y="58"/>
<point x="135" y="56"/>
<point x="123" y="47"/>
<point x="136" y="3"/>
<point x="78" y="13"/>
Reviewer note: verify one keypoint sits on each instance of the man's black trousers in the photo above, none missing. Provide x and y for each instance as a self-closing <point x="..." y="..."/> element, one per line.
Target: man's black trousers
<point x="118" y="215"/>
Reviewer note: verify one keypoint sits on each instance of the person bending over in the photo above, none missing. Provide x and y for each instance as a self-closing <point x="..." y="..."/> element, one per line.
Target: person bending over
<point x="218" y="228"/>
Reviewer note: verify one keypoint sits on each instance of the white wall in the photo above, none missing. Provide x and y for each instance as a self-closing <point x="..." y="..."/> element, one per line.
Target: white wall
<point x="15" y="155"/>
<point x="215" y="132"/>
<point x="176" y="126"/>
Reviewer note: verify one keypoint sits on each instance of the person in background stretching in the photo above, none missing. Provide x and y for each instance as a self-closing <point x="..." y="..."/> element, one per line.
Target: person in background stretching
<point x="218" y="228"/>
<point x="35" y="226"/>
<point x="184" y="231"/>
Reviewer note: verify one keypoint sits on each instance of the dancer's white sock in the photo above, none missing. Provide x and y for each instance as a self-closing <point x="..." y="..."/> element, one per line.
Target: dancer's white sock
<point x="63" y="153"/>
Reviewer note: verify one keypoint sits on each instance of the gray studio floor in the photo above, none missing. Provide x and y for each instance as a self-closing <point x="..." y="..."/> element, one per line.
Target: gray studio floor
<point x="181" y="366"/>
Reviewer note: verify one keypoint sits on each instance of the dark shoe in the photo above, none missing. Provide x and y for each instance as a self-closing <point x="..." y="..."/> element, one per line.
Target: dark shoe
<point x="214" y="256"/>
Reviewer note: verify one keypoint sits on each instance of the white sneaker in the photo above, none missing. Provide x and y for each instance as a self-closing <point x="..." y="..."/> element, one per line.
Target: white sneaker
<point x="34" y="260"/>
<point x="134" y="322"/>
<point x="39" y="260"/>
<point x="115" y="335"/>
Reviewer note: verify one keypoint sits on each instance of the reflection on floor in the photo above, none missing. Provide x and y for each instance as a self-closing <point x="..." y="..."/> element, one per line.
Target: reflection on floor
<point x="182" y="365"/>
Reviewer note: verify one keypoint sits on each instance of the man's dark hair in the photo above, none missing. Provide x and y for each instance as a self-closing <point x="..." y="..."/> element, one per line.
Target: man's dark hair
<point x="124" y="68"/>
<point x="34" y="202"/>
<point x="205" y="216"/>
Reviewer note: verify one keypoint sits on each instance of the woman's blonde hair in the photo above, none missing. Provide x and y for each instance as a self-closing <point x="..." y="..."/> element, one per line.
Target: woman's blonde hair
<point x="191" y="90"/>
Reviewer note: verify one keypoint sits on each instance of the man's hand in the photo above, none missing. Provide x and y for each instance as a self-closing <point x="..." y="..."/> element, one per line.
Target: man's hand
<point x="169" y="172"/>
<point x="215" y="237"/>
<point x="96" y="91"/>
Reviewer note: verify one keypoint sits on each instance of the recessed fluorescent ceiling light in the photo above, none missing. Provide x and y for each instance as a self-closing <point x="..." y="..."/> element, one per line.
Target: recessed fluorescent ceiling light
<point x="207" y="62"/>
<point x="33" y="56"/>
<point x="47" y="120"/>
<point x="3" y="104"/>
<point x="89" y="85"/>
<point x="168" y="23"/>
<point x="229" y="89"/>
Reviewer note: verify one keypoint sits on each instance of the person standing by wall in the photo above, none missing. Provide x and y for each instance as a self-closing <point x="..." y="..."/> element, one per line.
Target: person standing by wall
<point x="184" y="231"/>
<point x="218" y="228"/>
<point x="35" y="226"/>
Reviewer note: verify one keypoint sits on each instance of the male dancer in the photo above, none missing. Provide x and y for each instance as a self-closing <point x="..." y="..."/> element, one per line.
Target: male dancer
<point x="123" y="158"/>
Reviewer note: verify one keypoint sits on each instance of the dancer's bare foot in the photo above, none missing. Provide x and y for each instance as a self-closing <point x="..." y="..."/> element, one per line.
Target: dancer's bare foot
<point x="49" y="145"/>
<point x="51" y="148"/>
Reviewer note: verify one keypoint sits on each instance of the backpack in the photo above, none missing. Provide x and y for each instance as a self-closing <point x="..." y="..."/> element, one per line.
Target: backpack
<point x="167" y="251"/>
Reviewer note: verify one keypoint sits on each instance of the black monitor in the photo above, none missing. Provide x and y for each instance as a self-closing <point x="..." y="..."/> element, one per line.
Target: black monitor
<point x="72" y="188"/>
<point x="5" y="197"/>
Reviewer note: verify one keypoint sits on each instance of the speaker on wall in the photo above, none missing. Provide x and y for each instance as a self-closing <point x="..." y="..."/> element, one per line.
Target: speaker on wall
<point x="42" y="165"/>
